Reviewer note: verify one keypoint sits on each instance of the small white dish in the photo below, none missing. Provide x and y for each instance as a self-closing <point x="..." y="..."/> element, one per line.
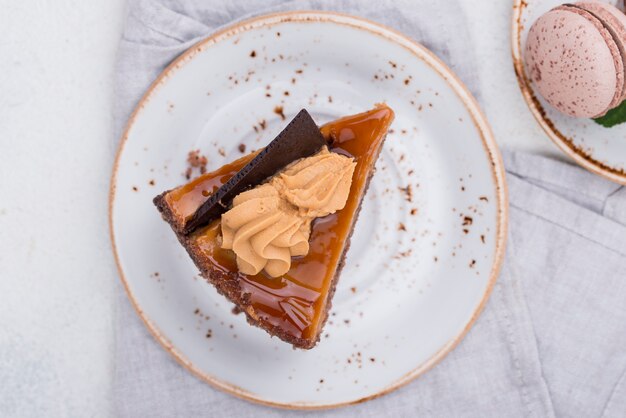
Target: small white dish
<point x="428" y="243"/>
<point x="598" y="149"/>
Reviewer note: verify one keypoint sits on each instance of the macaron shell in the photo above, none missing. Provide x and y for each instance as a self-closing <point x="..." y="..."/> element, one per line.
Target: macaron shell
<point x="615" y="21"/>
<point x="613" y="47"/>
<point x="572" y="63"/>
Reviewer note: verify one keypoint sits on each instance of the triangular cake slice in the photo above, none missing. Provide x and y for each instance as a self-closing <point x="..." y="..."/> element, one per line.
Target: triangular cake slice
<point x="293" y="306"/>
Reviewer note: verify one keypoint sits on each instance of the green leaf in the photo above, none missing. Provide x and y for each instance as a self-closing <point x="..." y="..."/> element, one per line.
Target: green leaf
<point x="613" y="117"/>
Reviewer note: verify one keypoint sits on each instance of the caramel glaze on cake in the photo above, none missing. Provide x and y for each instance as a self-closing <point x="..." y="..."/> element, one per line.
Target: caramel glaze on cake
<point x="293" y="307"/>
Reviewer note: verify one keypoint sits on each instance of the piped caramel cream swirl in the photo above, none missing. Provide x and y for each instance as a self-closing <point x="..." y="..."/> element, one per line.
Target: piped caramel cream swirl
<point x="270" y="224"/>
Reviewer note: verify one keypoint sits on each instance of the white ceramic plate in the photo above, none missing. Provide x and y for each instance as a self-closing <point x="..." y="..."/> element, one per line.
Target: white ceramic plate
<point x="598" y="149"/>
<point x="406" y="297"/>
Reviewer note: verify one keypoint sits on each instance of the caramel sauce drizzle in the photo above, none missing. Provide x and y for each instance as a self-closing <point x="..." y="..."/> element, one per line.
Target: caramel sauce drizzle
<point x="295" y="302"/>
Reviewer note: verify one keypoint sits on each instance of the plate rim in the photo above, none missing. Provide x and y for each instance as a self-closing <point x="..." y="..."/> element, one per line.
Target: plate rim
<point x="565" y="144"/>
<point x="422" y="53"/>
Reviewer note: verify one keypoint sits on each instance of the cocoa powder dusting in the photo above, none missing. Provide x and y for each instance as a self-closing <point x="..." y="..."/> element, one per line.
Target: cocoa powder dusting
<point x="280" y="112"/>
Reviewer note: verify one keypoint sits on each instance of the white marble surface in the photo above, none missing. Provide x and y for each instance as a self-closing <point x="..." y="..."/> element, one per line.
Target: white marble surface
<point x="56" y="150"/>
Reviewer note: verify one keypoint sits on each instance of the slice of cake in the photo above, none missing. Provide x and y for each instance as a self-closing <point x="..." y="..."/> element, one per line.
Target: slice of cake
<point x="271" y="230"/>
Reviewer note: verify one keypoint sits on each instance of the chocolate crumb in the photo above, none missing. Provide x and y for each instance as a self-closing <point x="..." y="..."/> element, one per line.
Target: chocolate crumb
<point x="321" y="380"/>
<point x="467" y="220"/>
<point x="407" y="81"/>
<point x="406" y="253"/>
<point x="408" y="192"/>
<point x="484" y="198"/>
<point x="221" y="152"/>
<point x="465" y="231"/>
<point x="195" y="159"/>
<point x="253" y="54"/>
<point x="299" y="71"/>
<point x="135" y="189"/>
<point x="346" y="321"/>
<point x="330" y="99"/>
<point x="151" y="182"/>
<point x="482" y="239"/>
<point x="293" y="80"/>
<point x="472" y="263"/>
<point x="286" y="93"/>
<point x="278" y="34"/>
<point x="280" y="112"/>
<point x="209" y="333"/>
<point x="242" y="148"/>
<point x="263" y="124"/>
<point x="393" y="64"/>
<point x="372" y="359"/>
<point x="414" y="211"/>
<point x="353" y="289"/>
<point x="197" y="311"/>
<point x="436" y="259"/>
<point x="401" y="227"/>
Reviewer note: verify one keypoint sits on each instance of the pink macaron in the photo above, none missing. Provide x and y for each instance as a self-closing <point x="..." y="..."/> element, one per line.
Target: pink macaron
<point x="576" y="57"/>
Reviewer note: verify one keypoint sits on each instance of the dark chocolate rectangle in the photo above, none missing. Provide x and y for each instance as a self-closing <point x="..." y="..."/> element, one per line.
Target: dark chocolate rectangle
<point x="301" y="138"/>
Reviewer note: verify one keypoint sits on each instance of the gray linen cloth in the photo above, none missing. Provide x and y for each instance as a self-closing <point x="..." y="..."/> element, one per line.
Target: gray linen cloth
<point x="552" y="339"/>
